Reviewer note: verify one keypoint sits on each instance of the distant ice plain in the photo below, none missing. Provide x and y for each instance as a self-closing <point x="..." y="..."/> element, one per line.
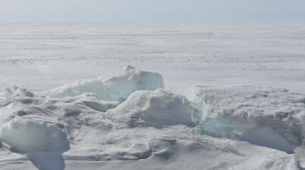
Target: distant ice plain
<point x="261" y="53"/>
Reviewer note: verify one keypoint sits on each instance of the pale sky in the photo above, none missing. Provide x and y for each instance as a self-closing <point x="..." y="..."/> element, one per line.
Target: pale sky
<point x="150" y="10"/>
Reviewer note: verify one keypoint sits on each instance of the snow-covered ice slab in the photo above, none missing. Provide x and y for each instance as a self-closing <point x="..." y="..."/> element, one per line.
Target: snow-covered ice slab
<point x="154" y="108"/>
<point x="264" y="116"/>
<point x="26" y="135"/>
<point x="113" y="87"/>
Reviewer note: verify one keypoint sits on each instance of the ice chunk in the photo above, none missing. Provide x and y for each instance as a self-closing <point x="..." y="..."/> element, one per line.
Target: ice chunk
<point x="154" y="108"/>
<point x="30" y="136"/>
<point x="113" y="87"/>
<point x="264" y="116"/>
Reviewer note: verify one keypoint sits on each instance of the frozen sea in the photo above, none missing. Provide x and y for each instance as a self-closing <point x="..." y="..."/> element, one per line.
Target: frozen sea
<point x="190" y="96"/>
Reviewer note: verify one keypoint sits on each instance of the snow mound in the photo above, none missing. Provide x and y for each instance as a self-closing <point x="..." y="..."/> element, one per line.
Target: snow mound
<point x="113" y="87"/>
<point x="264" y="116"/>
<point x="154" y="108"/>
<point x="30" y="136"/>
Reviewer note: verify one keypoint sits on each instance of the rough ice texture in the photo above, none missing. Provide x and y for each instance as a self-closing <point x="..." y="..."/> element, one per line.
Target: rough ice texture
<point x="38" y="124"/>
<point x="158" y="127"/>
<point x="14" y="91"/>
<point x="264" y="116"/>
<point x="114" y="87"/>
<point x="154" y="108"/>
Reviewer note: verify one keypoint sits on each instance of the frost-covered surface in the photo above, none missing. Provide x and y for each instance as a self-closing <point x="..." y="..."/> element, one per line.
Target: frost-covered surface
<point x="123" y="120"/>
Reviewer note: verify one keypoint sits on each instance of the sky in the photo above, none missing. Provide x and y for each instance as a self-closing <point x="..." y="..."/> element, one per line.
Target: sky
<point x="150" y="10"/>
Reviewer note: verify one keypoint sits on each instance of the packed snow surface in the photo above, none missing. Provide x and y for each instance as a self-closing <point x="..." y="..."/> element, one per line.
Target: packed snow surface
<point x="201" y="96"/>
